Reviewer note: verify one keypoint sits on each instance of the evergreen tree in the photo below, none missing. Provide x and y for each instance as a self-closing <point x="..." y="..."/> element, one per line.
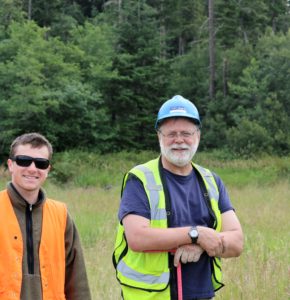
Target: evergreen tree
<point x="100" y="69"/>
<point x="10" y="11"/>
<point x="184" y="23"/>
<point x="134" y="96"/>
<point x="260" y="99"/>
<point x="245" y="20"/>
<point x="278" y="15"/>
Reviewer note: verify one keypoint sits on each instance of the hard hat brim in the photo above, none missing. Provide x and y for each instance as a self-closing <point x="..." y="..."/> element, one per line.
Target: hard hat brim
<point x="181" y="115"/>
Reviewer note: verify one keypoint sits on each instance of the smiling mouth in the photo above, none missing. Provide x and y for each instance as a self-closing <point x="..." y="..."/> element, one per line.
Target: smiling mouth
<point x="179" y="149"/>
<point x="30" y="177"/>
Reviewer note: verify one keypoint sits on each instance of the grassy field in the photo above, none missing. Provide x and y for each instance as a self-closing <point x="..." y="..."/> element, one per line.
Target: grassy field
<point x="259" y="190"/>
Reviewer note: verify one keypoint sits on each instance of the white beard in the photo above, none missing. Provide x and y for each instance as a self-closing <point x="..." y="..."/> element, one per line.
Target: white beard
<point x="178" y="159"/>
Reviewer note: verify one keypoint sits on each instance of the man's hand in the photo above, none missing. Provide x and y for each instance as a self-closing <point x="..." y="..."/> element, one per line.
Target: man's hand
<point x="187" y="253"/>
<point x="211" y="241"/>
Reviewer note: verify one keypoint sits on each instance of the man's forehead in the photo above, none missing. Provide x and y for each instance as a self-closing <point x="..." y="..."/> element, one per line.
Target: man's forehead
<point x="24" y="148"/>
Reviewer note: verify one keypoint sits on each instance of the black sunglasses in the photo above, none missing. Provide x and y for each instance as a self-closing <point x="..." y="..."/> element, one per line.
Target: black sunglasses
<point x="26" y="161"/>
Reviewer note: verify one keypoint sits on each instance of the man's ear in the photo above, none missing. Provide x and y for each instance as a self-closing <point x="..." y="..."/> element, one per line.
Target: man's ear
<point x="48" y="170"/>
<point x="10" y="165"/>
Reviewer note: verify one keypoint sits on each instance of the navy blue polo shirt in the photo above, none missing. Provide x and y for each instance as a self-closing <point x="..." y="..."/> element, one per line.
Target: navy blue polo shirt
<point x="188" y="208"/>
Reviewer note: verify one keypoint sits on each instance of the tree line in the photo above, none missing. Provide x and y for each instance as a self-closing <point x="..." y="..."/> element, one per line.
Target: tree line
<point x="92" y="74"/>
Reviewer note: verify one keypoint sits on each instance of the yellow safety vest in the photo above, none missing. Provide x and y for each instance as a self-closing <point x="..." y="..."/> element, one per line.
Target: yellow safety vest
<point x="150" y="271"/>
<point x="51" y="250"/>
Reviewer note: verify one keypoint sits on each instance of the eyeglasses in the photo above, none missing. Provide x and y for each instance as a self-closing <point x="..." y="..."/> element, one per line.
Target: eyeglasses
<point x="183" y="134"/>
<point x="26" y="161"/>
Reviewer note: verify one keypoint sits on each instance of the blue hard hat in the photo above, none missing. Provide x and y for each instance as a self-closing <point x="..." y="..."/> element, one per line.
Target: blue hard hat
<point x="178" y="107"/>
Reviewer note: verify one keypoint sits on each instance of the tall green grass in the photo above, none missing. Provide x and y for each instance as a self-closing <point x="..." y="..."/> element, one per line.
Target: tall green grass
<point x="90" y="185"/>
<point x="263" y="270"/>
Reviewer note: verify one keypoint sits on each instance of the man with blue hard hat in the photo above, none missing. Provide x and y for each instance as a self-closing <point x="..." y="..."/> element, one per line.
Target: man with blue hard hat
<point x="171" y="205"/>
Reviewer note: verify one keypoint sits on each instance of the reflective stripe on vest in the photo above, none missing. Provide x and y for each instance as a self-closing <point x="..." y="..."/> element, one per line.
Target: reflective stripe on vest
<point x="213" y="194"/>
<point x="137" y="268"/>
<point x="51" y="250"/>
<point x="153" y="190"/>
<point x="141" y="277"/>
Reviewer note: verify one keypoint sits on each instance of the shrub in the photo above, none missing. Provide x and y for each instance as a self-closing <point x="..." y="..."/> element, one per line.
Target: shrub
<point x="249" y="139"/>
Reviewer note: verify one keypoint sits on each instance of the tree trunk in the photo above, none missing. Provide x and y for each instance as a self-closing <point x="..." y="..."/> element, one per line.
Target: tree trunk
<point x="29" y="9"/>
<point x="162" y="32"/>
<point x="211" y="49"/>
<point x="225" y="80"/>
<point x="180" y="45"/>
<point x="120" y="11"/>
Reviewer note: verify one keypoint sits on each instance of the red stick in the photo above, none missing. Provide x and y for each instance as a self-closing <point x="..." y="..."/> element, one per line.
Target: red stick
<point x="179" y="274"/>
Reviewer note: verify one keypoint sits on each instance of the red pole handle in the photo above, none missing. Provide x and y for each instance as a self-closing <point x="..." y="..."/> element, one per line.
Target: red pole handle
<point x="179" y="282"/>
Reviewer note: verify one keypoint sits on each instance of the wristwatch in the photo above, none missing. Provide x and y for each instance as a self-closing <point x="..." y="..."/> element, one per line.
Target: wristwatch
<point x="193" y="233"/>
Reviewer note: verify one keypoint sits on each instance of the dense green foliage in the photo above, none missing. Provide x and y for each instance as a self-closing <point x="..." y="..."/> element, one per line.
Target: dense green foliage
<point x="92" y="74"/>
<point x="107" y="170"/>
<point x="84" y="169"/>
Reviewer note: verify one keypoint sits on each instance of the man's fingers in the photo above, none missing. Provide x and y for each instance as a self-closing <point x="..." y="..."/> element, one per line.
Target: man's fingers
<point x="177" y="256"/>
<point x="194" y="256"/>
<point x="187" y="253"/>
<point x="191" y="256"/>
<point x="184" y="256"/>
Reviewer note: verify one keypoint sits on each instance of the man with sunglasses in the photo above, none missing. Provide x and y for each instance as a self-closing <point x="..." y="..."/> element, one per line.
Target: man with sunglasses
<point x="172" y="205"/>
<point x="40" y="252"/>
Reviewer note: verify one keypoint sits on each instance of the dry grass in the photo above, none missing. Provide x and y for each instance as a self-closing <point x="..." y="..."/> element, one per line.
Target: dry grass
<point x="95" y="213"/>
<point x="262" y="272"/>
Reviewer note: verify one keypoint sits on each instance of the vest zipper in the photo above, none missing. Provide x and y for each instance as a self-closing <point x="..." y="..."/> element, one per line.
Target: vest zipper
<point x="29" y="239"/>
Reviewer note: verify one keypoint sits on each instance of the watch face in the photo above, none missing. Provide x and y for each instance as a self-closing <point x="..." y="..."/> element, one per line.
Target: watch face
<point x="193" y="233"/>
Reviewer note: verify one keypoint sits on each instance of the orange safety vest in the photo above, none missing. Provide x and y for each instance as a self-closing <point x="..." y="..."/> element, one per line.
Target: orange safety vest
<point x="51" y="251"/>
